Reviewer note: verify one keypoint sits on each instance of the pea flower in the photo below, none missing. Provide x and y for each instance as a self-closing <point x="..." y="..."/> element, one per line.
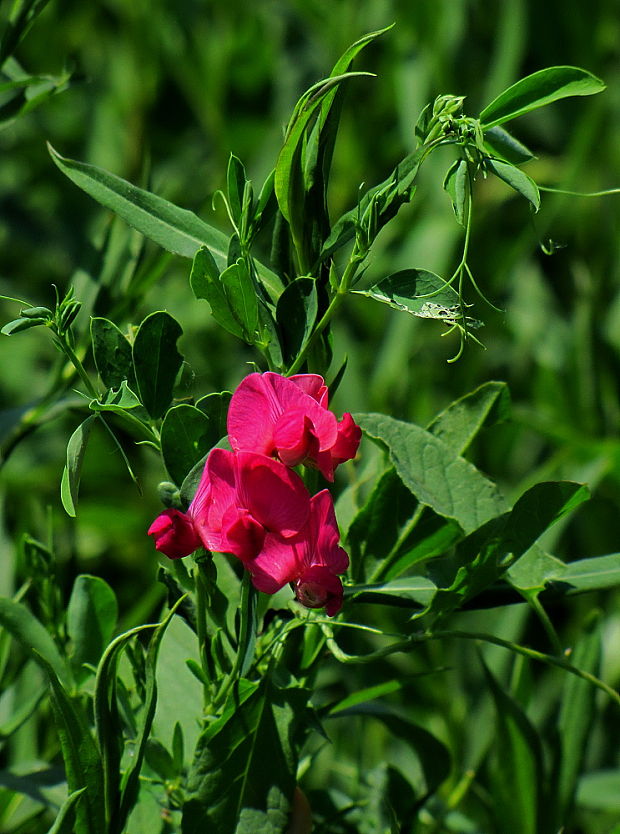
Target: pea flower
<point x="288" y="418"/>
<point x="311" y="560"/>
<point x="241" y="499"/>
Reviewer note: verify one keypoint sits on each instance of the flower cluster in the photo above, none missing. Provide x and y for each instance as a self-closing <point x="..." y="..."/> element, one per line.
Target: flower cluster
<point x="250" y="502"/>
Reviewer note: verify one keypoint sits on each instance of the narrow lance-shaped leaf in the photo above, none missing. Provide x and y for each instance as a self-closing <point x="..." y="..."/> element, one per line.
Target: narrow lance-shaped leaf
<point x="32" y="635"/>
<point x="175" y="229"/>
<point x="516" y="179"/>
<point x="516" y="769"/>
<point x="65" y="821"/>
<point x="81" y="756"/>
<point x="458" y="187"/>
<point x="537" y="90"/>
<point x="575" y="719"/>
<point x="502" y="144"/>
<point x="76" y="447"/>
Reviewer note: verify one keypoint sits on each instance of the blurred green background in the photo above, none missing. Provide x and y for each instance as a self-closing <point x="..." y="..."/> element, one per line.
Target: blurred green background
<point x="163" y="91"/>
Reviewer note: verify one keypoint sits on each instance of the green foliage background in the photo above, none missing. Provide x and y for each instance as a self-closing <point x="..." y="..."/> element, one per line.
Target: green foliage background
<point x="162" y="92"/>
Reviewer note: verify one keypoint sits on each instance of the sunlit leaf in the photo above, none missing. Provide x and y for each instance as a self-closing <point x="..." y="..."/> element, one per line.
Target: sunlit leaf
<point x="537" y="90"/>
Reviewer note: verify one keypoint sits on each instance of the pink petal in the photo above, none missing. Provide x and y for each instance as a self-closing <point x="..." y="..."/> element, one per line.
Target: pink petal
<point x="323" y="535"/>
<point x="252" y="414"/>
<point x="275" y="495"/>
<point x="348" y="440"/>
<point x="318" y="587"/>
<point x="174" y="534"/>
<point x="216" y="492"/>
<point x="279" y="562"/>
<point x="313" y="385"/>
<point x="242" y="535"/>
<point x="294" y="437"/>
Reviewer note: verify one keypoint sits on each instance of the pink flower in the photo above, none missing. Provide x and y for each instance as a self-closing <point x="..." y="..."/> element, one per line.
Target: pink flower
<point x="174" y="534"/>
<point x="310" y="560"/>
<point x="241" y="499"/>
<point x="288" y="418"/>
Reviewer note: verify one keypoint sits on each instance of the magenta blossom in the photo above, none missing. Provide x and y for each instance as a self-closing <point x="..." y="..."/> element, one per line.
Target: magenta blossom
<point x="310" y="560"/>
<point x="288" y="418"/>
<point x="174" y="534"/>
<point x="241" y="499"/>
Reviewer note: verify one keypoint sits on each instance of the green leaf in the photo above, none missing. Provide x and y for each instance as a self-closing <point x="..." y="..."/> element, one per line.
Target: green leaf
<point x="516" y="769"/>
<point x="574" y="722"/>
<point x="229" y="789"/>
<point x="186" y="436"/>
<point x="537" y="90"/>
<point x="76" y="447"/>
<point x="421" y="293"/>
<point x="532" y="570"/>
<point x="461" y="421"/>
<point x="382" y="542"/>
<point x="486" y="554"/>
<point x="433" y="755"/>
<point x="516" y="179"/>
<point x="65" y="821"/>
<point x="458" y="186"/>
<point x="157" y="361"/>
<point x="235" y="183"/>
<point x="438" y="477"/>
<point x="175" y="229"/>
<point x="112" y="353"/>
<point x="240" y="293"/>
<point x="409" y="591"/>
<point x="205" y="283"/>
<point x="130" y="784"/>
<point x="91" y="619"/>
<point x="83" y="764"/>
<point x="30" y="633"/>
<point x="600" y="791"/>
<point x="362" y="696"/>
<point x="388" y="197"/>
<point x="215" y="407"/>
<point x="296" y="314"/>
<point x="25" y="323"/>
<point x="117" y="401"/>
<point x="594" y="574"/>
<point x="500" y="143"/>
<point x="20" y="19"/>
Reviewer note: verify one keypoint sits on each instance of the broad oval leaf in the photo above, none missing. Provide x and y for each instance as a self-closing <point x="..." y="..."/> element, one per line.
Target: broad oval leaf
<point x="537" y="90"/>
<point x="157" y="361"/>
<point x="186" y="437"/>
<point x="434" y="473"/>
<point x="111" y="352"/>
<point x="296" y="315"/>
<point x="91" y="620"/>
<point x="421" y="293"/>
